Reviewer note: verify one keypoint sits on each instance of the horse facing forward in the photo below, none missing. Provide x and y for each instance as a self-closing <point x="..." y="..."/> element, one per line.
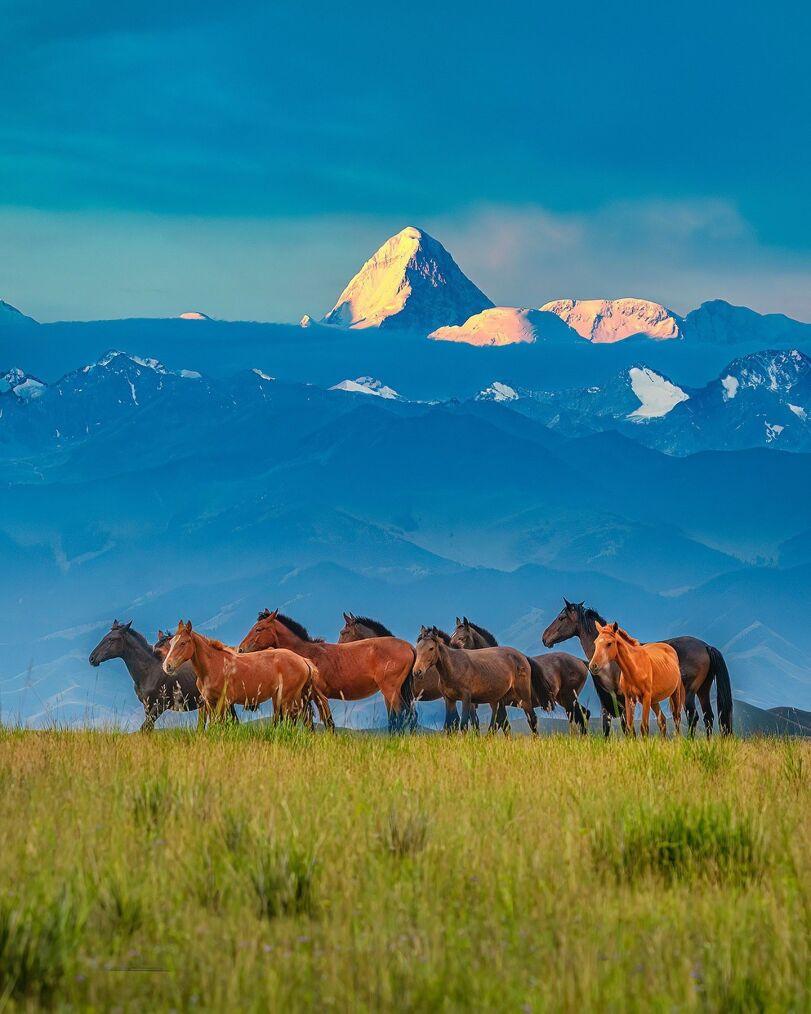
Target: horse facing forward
<point x="225" y="677"/>
<point x="494" y="676"/>
<point x="649" y="674"/>
<point x="349" y="671"/>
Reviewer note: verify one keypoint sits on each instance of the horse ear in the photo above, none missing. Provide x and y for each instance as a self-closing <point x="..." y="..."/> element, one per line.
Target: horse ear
<point x="567" y="603"/>
<point x="615" y="626"/>
<point x="127" y="625"/>
<point x="347" y="618"/>
<point x="160" y="634"/>
<point x="466" y="621"/>
<point x="115" y="624"/>
<point x="188" y="625"/>
<point x="458" y="622"/>
<point x="273" y="615"/>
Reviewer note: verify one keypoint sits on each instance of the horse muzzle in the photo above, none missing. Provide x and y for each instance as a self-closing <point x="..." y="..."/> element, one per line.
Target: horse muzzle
<point x="93" y="660"/>
<point x="169" y="669"/>
<point x="417" y="672"/>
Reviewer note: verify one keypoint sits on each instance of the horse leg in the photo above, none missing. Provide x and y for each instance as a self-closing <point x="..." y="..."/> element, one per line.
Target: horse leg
<point x="660" y="718"/>
<point x="644" y="724"/>
<point x="532" y="718"/>
<point x="324" y="711"/>
<point x="706" y="708"/>
<point x="451" y="717"/>
<point x="692" y="713"/>
<point x="151" y="715"/>
<point x="630" y="707"/>
<point x="474" y="717"/>
<point x="676" y="704"/>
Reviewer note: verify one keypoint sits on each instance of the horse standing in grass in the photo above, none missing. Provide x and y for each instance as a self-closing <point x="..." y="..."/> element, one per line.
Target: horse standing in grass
<point x="153" y="689"/>
<point x="649" y="674"/>
<point x="700" y="663"/>
<point x="350" y="671"/>
<point x="161" y="649"/>
<point x="426" y="687"/>
<point x="494" y="676"/>
<point x="564" y="674"/>
<point x="225" y="677"/>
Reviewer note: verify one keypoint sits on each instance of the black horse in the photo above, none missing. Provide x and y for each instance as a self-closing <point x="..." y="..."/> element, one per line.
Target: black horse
<point x="154" y="689"/>
<point x="700" y="663"/>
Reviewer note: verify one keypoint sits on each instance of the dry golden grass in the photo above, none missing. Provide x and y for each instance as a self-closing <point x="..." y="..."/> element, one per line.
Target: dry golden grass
<point x="258" y="869"/>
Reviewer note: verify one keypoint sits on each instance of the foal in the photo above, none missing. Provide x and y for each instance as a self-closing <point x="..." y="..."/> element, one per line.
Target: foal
<point x="649" y="673"/>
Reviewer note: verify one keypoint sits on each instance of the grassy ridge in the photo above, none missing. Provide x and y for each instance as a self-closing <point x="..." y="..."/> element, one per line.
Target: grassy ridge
<point x="262" y="869"/>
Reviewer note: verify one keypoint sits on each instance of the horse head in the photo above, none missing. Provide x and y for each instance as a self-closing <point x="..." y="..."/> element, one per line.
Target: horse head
<point x="351" y="630"/>
<point x="263" y="633"/>
<point x="181" y="648"/>
<point x="427" y="650"/>
<point x="564" y="625"/>
<point x="605" y="648"/>
<point x="111" y="645"/>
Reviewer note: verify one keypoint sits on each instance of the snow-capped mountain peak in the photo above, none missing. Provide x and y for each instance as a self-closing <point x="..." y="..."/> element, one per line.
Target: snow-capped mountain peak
<point x="612" y="320"/>
<point x="657" y="395"/>
<point x="498" y="392"/>
<point x="21" y="384"/>
<point x="411" y="282"/>
<point x="193" y="315"/>
<point x="367" y="385"/>
<point x="122" y="360"/>
<point x="776" y="370"/>
<point x="498" y="325"/>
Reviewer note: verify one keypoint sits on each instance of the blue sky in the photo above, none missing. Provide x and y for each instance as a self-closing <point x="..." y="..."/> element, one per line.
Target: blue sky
<point x="244" y="157"/>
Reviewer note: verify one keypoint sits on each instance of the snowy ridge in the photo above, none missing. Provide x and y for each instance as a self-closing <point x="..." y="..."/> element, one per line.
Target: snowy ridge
<point x="20" y="384"/>
<point x="498" y="392"/>
<point x="499" y="325"/>
<point x="612" y="320"/>
<point x="657" y="395"/>
<point x="367" y="385"/>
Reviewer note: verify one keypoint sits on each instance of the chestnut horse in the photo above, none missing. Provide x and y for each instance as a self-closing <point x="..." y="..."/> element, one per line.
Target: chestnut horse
<point x="349" y="671"/>
<point x="494" y="676"/>
<point x="649" y="673"/>
<point x="226" y="677"/>
<point x="160" y="649"/>
<point x="700" y="665"/>
<point x="564" y="674"/>
<point x="426" y="687"/>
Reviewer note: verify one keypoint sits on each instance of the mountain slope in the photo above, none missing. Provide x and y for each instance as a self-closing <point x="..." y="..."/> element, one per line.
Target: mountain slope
<point x="505" y="325"/>
<point x="724" y="324"/>
<point x="612" y="320"/>
<point x="12" y="317"/>
<point x="411" y="282"/>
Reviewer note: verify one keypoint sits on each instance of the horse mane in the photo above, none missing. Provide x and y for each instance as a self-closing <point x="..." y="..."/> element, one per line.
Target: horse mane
<point x="589" y="618"/>
<point x="296" y="628"/>
<point x="380" y="629"/>
<point x="627" y="637"/>
<point x="485" y="634"/>
<point x="442" y="635"/>
<point x="139" y="638"/>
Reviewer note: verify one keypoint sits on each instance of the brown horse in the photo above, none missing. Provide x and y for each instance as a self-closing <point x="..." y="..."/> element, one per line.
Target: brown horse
<point x="494" y="676"/>
<point x="349" y="671"/>
<point x="563" y="674"/>
<point x="226" y="677"/>
<point x="700" y="665"/>
<point x="160" y="649"/>
<point x="649" y="673"/>
<point x="426" y="686"/>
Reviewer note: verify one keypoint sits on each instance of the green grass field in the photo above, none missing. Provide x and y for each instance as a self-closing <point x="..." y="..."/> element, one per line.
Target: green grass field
<point x="257" y="869"/>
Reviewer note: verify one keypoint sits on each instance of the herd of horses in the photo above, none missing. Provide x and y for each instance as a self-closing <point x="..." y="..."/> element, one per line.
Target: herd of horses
<point x="278" y="661"/>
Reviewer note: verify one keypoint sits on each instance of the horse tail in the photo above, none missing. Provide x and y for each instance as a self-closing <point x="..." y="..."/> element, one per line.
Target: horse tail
<point x="541" y="692"/>
<point x="723" y="689"/>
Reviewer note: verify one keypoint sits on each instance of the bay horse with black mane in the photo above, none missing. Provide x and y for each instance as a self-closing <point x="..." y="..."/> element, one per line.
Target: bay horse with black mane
<point x="564" y="674"/>
<point x="426" y="686"/>
<point x="699" y="663"/>
<point x="494" y="676"/>
<point x="350" y="671"/>
<point x="153" y="689"/>
<point x="226" y="677"/>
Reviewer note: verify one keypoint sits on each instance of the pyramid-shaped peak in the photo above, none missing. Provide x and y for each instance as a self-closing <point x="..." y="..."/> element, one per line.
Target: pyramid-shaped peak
<point x="411" y="282"/>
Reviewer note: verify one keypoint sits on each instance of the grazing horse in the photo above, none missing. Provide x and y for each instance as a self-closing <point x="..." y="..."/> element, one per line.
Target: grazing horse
<point x="649" y="673"/>
<point x="700" y="663"/>
<point x="563" y="673"/>
<point x="426" y="687"/>
<point x="225" y="677"/>
<point x="494" y="676"/>
<point x="153" y="689"/>
<point x="349" y="671"/>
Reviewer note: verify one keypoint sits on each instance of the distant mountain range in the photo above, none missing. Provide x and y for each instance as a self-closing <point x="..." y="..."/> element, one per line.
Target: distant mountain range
<point x="417" y="453"/>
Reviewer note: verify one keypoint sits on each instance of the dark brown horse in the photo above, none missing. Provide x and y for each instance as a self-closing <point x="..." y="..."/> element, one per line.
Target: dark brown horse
<point x="426" y="687"/>
<point x="494" y="676"/>
<point x="154" y="690"/>
<point x="563" y="674"/>
<point x="699" y="663"/>
<point x="347" y="672"/>
<point x="226" y="677"/>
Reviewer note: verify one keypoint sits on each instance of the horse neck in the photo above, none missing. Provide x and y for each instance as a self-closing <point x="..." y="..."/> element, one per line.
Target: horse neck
<point x="140" y="662"/>
<point x="445" y="659"/>
<point x="287" y="639"/>
<point x="203" y="659"/>
<point x="628" y="658"/>
<point x="587" y="636"/>
<point x="479" y="641"/>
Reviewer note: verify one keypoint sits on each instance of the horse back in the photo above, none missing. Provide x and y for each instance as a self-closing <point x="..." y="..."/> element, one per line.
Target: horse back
<point x="665" y="670"/>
